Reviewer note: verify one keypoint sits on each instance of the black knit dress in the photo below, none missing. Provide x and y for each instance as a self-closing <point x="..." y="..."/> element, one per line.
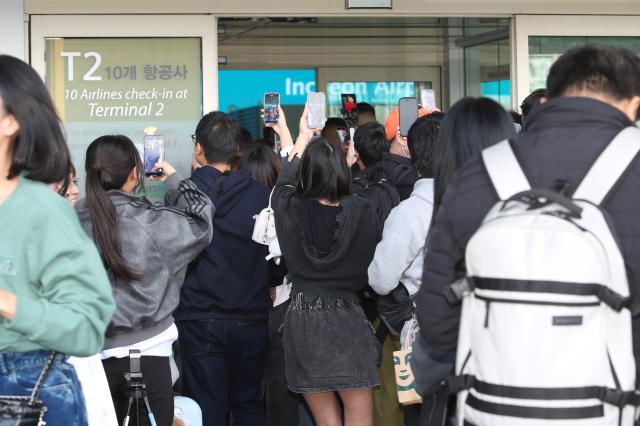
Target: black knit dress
<point x="328" y="342"/>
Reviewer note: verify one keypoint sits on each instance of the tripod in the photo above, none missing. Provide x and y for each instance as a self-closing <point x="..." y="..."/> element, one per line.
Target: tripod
<point x="136" y="389"/>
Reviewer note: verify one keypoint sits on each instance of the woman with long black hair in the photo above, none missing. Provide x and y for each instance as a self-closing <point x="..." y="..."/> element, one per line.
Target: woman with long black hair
<point x="328" y="238"/>
<point x="146" y="248"/>
<point x="55" y="298"/>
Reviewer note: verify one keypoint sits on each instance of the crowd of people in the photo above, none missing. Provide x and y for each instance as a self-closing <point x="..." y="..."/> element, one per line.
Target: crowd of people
<point x="371" y="228"/>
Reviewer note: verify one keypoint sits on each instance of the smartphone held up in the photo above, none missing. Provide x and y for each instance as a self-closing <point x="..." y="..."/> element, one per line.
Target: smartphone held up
<point x="271" y="108"/>
<point x="317" y="110"/>
<point x="428" y="99"/>
<point x="153" y="153"/>
<point x="408" y="112"/>
<point x="349" y="108"/>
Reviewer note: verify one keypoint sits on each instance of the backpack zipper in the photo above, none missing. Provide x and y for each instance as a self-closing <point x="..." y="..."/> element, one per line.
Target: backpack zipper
<point x="489" y="300"/>
<point x="487" y="305"/>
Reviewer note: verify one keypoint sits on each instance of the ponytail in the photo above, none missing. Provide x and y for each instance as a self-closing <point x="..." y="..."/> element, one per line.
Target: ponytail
<point x="108" y="164"/>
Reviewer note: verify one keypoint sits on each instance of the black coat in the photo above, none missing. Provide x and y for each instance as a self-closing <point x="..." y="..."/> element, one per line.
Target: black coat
<point x="561" y="141"/>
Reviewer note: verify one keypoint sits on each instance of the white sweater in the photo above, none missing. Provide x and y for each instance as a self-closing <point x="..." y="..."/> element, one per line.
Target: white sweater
<point x="400" y="255"/>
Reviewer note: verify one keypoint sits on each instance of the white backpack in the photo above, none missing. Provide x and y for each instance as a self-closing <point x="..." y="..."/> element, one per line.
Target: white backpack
<point x="545" y="332"/>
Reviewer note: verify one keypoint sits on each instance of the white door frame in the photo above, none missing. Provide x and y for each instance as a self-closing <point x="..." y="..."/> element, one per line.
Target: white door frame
<point x="559" y="25"/>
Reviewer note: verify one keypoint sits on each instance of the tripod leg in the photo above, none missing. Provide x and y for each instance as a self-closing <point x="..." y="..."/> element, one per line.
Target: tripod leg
<point x="152" y="419"/>
<point x="127" y="416"/>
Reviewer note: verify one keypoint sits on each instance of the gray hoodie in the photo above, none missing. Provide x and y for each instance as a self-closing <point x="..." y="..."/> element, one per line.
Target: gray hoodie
<point x="158" y="241"/>
<point x="400" y="254"/>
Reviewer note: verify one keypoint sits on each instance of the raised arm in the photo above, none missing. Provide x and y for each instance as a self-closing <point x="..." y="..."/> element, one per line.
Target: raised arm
<point x="183" y="227"/>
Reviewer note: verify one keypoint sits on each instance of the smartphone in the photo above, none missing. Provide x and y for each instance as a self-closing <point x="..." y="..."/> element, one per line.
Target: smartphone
<point x="428" y="99"/>
<point x="349" y="108"/>
<point x="153" y="153"/>
<point x="349" y="103"/>
<point x="316" y="102"/>
<point x="343" y="134"/>
<point x="408" y="114"/>
<point x="271" y="104"/>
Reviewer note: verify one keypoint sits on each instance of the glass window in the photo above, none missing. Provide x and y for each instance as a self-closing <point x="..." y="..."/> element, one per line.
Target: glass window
<point x="544" y="50"/>
<point x="488" y="66"/>
<point x="382" y="95"/>
<point x="241" y="94"/>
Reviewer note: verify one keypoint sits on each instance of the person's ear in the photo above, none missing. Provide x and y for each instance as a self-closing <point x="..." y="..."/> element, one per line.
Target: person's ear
<point x="133" y="176"/>
<point x="10" y="126"/>
<point x="197" y="149"/>
<point x="630" y="107"/>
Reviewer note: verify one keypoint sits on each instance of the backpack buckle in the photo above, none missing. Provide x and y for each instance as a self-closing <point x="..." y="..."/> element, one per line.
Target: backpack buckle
<point x="615" y="397"/>
<point x="455" y="292"/>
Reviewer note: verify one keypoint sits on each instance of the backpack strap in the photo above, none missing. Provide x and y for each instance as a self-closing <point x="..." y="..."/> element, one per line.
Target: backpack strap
<point x="504" y="170"/>
<point x="609" y="167"/>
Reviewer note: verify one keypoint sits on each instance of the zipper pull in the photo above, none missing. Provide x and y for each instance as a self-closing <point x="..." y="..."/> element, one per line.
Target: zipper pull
<point x="487" y="305"/>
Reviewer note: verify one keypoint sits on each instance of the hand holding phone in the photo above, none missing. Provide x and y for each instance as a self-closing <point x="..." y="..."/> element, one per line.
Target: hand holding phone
<point x="165" y="170"/>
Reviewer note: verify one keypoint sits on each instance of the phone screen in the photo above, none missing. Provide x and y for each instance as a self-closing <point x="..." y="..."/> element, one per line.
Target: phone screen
<point x="153" y="153"/>
<point x="317" y="110"/>
<point x="428" y="99"/>
<point x="408" y="114"/>
<point x="343" y="134"/>
<point x="271" y="103"/>
<point x="349" y="103"/>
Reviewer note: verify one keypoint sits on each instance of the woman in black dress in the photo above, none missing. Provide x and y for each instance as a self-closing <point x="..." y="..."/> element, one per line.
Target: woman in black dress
<point x="328" y="239"/>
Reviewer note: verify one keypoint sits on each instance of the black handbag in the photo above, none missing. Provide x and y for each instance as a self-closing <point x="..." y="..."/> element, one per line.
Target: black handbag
<point x="25" y="410"/>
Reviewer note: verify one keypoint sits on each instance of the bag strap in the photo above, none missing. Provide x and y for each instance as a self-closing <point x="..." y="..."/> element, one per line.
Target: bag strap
<point x="217" y="185"/>
<point x="43" y="375"/>
<point x="271" y="196"/>
<point x="609" y="167"/>
<point x="504" y="170"/>
<point x="616" y="397"/>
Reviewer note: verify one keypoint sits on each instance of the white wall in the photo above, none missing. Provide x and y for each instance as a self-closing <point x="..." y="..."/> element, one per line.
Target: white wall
<point x="12" y="28"/>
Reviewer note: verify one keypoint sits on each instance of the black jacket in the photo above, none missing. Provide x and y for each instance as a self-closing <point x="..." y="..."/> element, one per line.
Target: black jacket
<point x="561" y="140"/>
<point x="400" y="173"/>
<point x="344" y="267"/>
<point x="230" y="279"/>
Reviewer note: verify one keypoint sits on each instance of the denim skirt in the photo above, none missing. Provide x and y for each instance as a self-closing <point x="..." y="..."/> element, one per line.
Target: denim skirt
<point x="329" y="345"/>
<point x="61" y="391"/>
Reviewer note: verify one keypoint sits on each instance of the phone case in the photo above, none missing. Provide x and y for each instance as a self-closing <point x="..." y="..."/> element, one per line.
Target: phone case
<point x="317" y="110"/>
<point x="408" y="114"/>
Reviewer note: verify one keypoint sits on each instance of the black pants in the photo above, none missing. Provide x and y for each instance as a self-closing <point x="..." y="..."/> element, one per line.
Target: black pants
<point x="223" y="365"/>
<point x="282" y="405"/>
<point x="156" y="374"/>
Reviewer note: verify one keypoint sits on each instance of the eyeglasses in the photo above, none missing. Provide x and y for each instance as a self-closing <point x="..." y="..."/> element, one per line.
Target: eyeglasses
<point x="193" y="138"/>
